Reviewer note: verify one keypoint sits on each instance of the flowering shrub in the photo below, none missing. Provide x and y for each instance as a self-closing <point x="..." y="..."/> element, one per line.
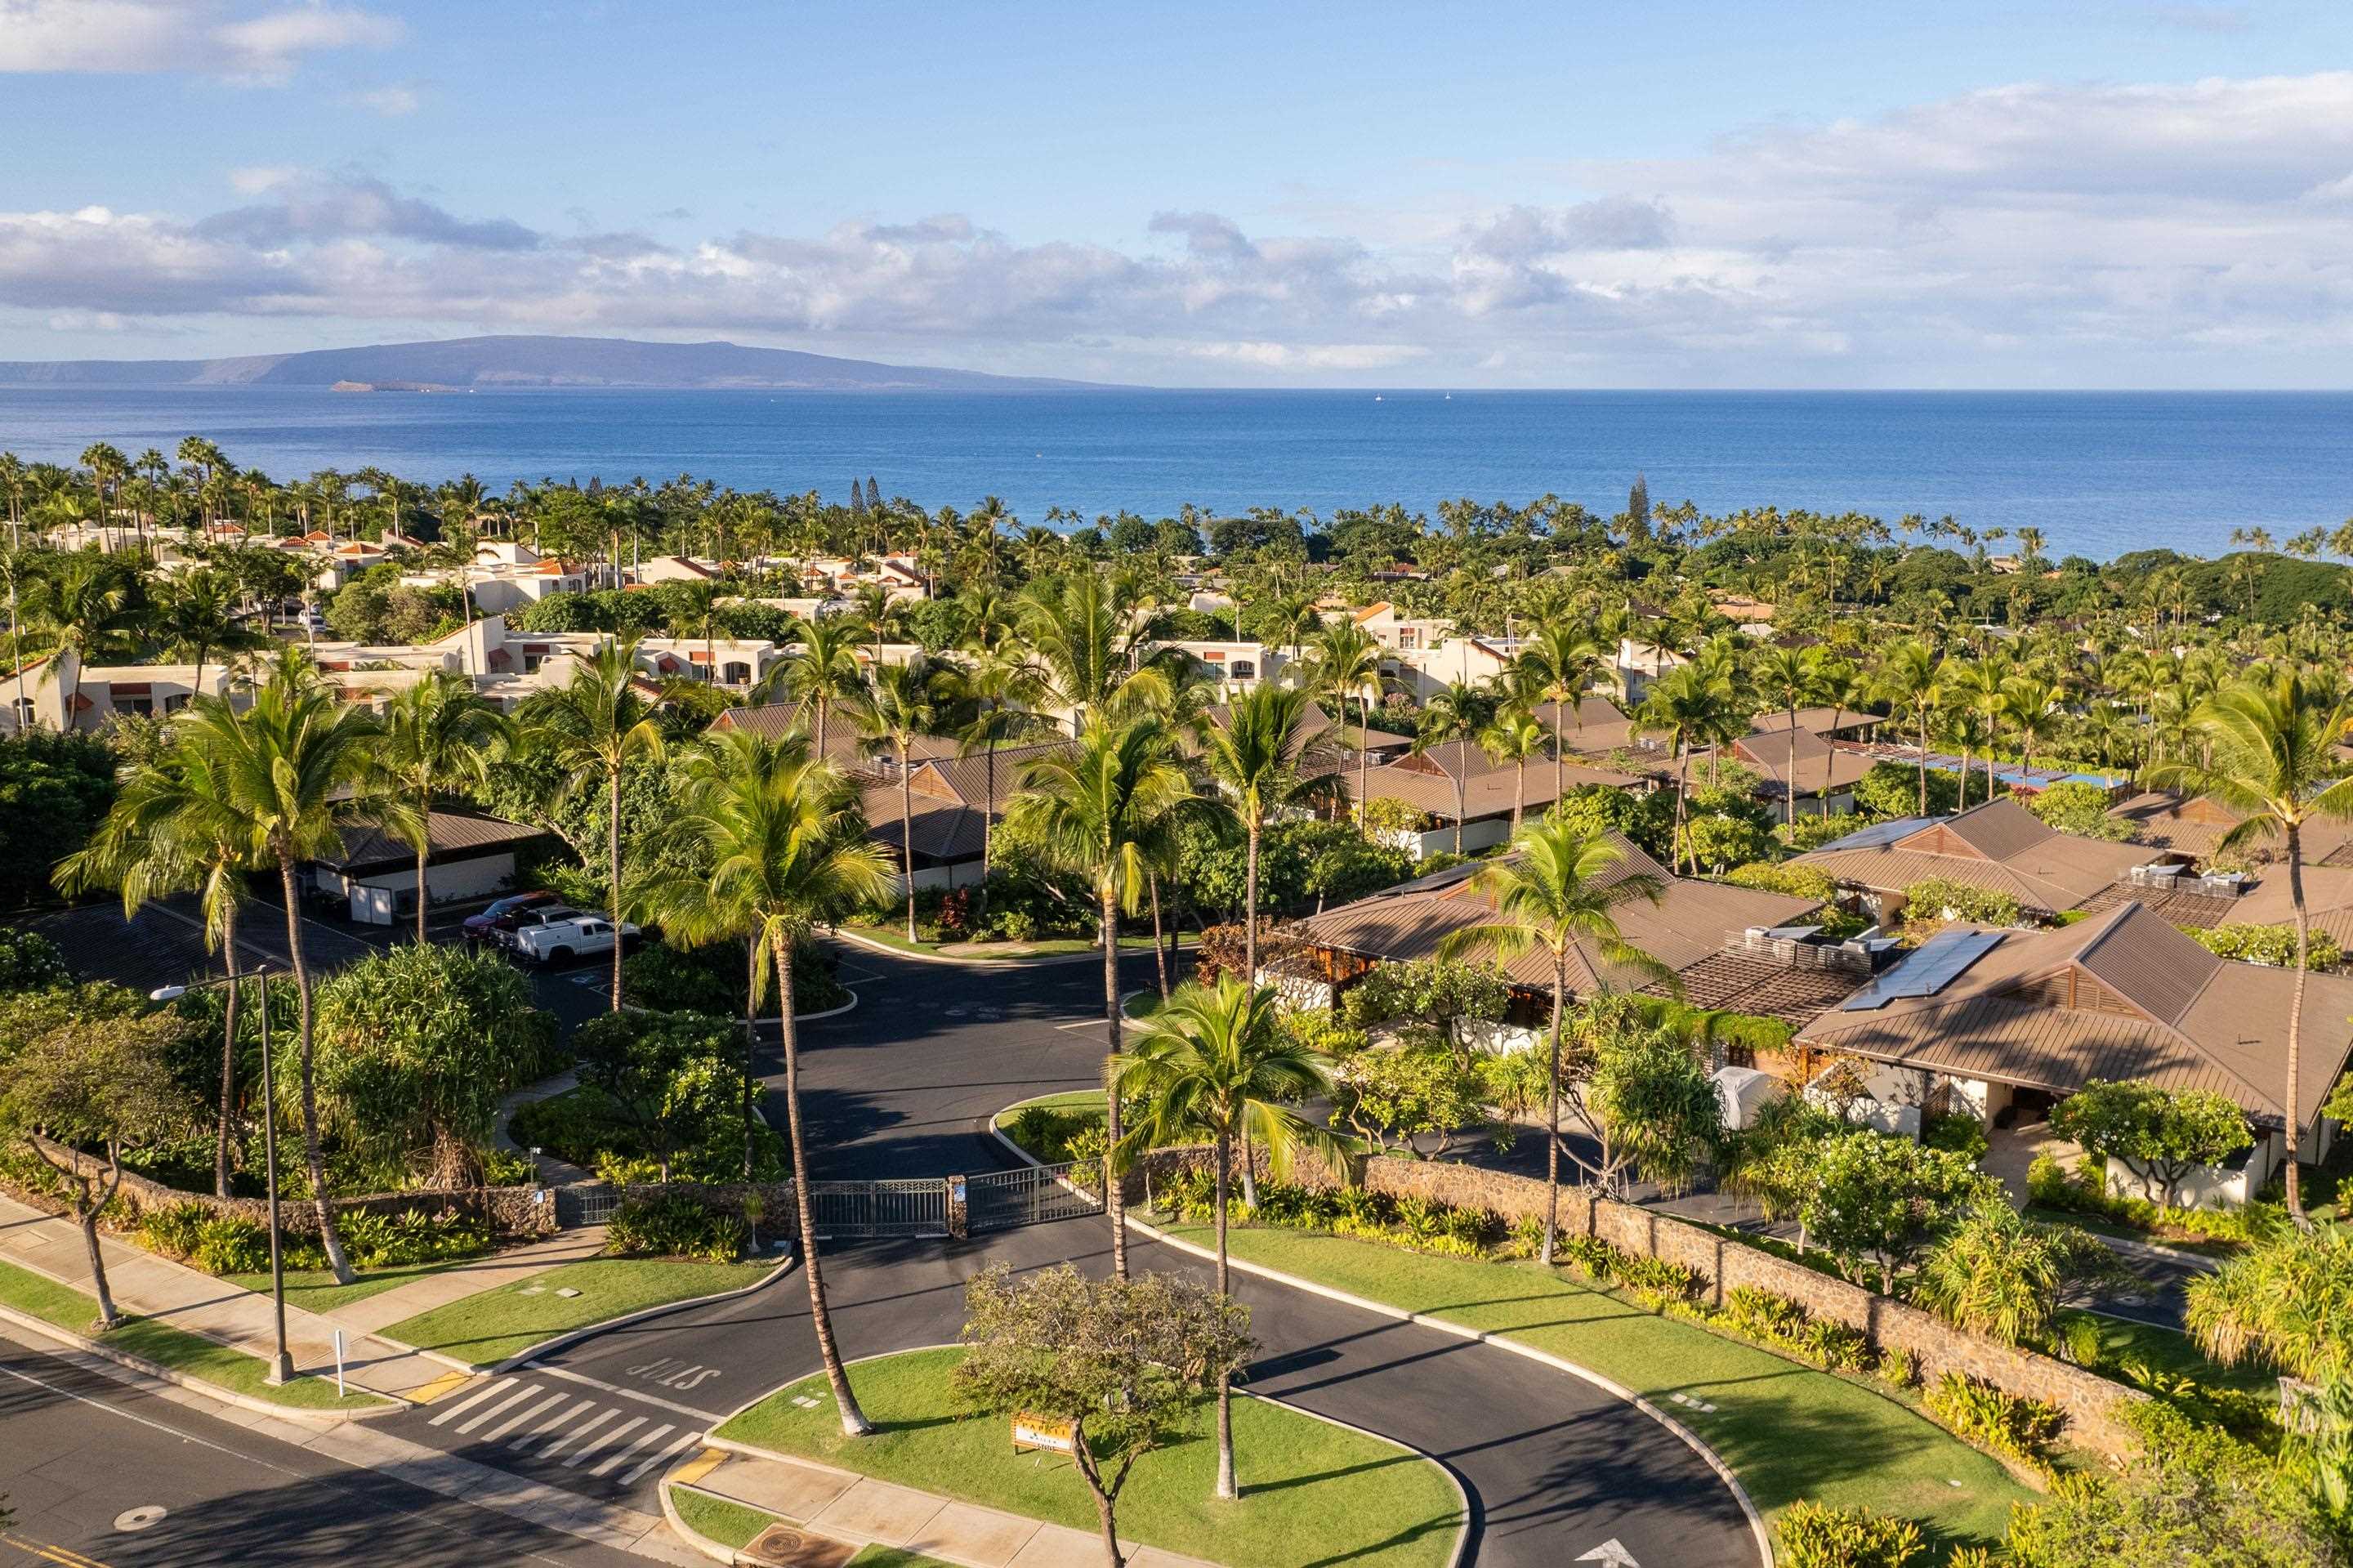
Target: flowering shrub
<point x="2271" y="945"/>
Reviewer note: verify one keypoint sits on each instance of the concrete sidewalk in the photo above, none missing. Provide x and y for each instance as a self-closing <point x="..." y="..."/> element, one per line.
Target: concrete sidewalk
<point x="189" y="1298"/>
<point x="864" y="1511"/>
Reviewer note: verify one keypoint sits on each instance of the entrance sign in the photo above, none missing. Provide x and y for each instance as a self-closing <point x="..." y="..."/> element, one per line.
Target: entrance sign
<point x="1042" y="1431"/>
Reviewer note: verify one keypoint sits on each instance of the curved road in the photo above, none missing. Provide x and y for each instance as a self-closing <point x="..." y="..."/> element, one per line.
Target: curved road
<point x="904" y="1085"/>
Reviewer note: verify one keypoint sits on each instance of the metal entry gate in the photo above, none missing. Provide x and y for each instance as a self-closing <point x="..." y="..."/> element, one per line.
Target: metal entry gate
<point x="1001" y="1200"/>
<point x="901" y="1208"/>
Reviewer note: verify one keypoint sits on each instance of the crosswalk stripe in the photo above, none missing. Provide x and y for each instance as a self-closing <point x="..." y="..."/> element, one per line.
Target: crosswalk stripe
<point x="620" y="1455"/>
<point x="631" y="1425"/>
<point x="465" y="1404"/>
<point x="557" y="1424"/>
<point x="512" y="1422"/>
<point x="650" y="1460"/>
<point x="501" y="1406"/>
<point x="569" y="1438"/>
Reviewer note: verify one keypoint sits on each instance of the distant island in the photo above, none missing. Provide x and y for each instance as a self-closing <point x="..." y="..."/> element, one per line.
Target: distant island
<point x="467" y="364"/>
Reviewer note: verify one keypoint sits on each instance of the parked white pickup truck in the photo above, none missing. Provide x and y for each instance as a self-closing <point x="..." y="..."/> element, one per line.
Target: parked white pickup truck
<point x="559" y="942"/>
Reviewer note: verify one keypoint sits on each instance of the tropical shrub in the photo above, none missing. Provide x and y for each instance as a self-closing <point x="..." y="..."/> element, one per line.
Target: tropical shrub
<point x="2049" y="1184"/>
<point x="2272" y="945"/>
<point x="1796" y="881"/>
<point x="1815" y="1535"/>
<point x="1657" y="1283"/>
<point x="2083" y="810"/>
<point x="2160" y="1135"/>
<point x="30" y="961"/>
<point x="2009" y="1423"/>
<point x="675" y="1226"/>
<point x="1941" y="898"/>
<point x="1960" y="1134"/>
<point x="1893" y="790"/>
<point x="1810" y="832"/>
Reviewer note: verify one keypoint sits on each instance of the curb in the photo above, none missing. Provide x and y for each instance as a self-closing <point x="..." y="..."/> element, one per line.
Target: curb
<point x="1691" y="1439"/>
<point x="693" y="1538"/>
<point x="1462" y="1493"/>
<point x="1040" y="962"/>
<point x="394" y="1404"/>
<point x="574" y="1336"/>
<point x="849" y="1006"/>
<point x="2198" y="1261"/>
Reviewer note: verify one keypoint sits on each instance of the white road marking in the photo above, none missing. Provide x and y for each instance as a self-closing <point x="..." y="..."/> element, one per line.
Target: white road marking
<point x="545" y="1371"/>
<point x="503" y="1405"/>
<point x="512" y="1422"/>
<point x="1084" y="1023"/>
<point x="631" y="1425"/>
<point x="622" y="1455"/>
<point x="472" y="1400"/>
<point x="567" y="1441"/>
<point x="650" y="1460"/>
<point x="556" y="1425"/>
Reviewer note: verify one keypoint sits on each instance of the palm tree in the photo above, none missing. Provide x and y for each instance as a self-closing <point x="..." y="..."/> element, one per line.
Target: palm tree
<point x="1217" y="1060"/>
<point x="1982" y="688"/>
<point x="1514" y="737"/>
<point x="1911" y="679"/>
<point x="439" y="738"/>
<point x="2271" y="749"/>
<point x="1789" y="678"/>
<point x="1844" y="687"/>
<point x="820" y="670"/>
<point x="594" y="725"/>
<point x="1453" y="714"/>
<point x="86" y="606"/>
<point x="1347" y="663"/>
<point x="1001" y="688"/>
<point x="197" y="615"/>
<point x="1556" y="891"/>
<point x="1681" y="705"/>
<point x="1090" y="640"/>
<point x="2034" y="705"/>
<point x="901" y="707"/>
<point x="281" y="777"/>
<point x="1094" y="810"/>
<point x="1261" y="756"/>
<point x="173" y="828"/>
<point x="1562" y="662"/>
<point x="787" y="852"/>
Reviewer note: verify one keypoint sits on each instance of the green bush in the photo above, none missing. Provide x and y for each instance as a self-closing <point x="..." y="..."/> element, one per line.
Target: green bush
<point x="1962" y="1134"/>
<point x="1796" y="881"/>
<point x="2006" y="1423"/>
<point x="1657" y="1283"/>
<point x="675" y="1226"/>
<point x="1049" y="1132"/>
<point x="1783" y="1323"/>
<point x="2272" y="945"/>
<point x="30" y="961"/>
<point x="2049" y="1184"/>
<point x="1810" y="832"/>
<point x="1941" y="898"/>
<point x="229" y="1243"/>
<point x="1814" y="1535"/>
<point x="2083" y="810"/>
<point x="1893" y="790"/>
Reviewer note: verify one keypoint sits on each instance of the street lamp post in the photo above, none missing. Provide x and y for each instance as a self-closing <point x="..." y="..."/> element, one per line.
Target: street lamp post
<point x="281" y="1368"/>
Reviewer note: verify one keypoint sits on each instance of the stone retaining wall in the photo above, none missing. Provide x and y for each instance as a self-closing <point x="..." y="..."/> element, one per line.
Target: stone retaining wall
<point x="514" y="1212"/>
<point x="2089" y="1401"/>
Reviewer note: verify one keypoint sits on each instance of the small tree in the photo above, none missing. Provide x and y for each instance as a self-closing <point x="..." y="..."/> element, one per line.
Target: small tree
<point x="2083" y="810"/>
<point x="1651" y="1099"/>
<point x="667" y="1075"/>
<point x="2158" y="1135"/>
<point x="1403" y="1093"/>
<point x="1125" y="1363"/>
<point x="2000" y="1274"/>
<point x="95" y="1084"/>
<point x="1435" y="996"/>
<point x="1865" y="1196"/>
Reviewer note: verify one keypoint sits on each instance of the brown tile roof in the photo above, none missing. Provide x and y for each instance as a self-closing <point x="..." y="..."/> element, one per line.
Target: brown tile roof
<point x="1596" y="724"/>
<point x="448" y="835"/>
<point x="1690" y="923"/>
<point x="1427" y="781"/>
<point x="2195" y="827"/>
<point x="2121" y="996"/>
<point x="1821" y="766"/>
<point x="1998" y="847"/>
<point x="1818" y="720"/>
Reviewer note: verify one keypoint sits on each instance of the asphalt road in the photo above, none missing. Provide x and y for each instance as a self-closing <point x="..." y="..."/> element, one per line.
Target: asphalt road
<point x="82" y="1451"/>
<point x="904" y="1085"/>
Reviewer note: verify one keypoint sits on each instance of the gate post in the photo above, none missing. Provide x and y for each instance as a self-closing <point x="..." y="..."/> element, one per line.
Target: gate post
<point x="959" y="1226"/>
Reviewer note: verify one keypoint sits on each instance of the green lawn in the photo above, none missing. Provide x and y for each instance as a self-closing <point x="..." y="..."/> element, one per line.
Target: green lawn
<point x="496" y="1324"/>
<point x="315" y="1291"/>
<point x="1074" y="1099"/>
<point x="1787" y="1431"/>
<point x="1303" y="1480"/>
<point x="183" y="1351"/>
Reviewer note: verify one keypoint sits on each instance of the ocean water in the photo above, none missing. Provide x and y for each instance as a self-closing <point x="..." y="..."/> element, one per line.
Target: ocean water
<point x="2099" y="473"/>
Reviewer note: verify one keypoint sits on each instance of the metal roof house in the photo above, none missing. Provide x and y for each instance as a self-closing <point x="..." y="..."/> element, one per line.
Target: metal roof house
<point x="1998" y="846"/>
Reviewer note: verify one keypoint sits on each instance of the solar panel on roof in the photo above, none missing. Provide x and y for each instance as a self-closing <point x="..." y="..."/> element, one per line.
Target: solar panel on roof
<point x="1936" y="964"/>
<point x="1880" y="833"/>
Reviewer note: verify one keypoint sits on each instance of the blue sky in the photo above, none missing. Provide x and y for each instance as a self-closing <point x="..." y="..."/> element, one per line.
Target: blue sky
<point x="2109" y="192"/>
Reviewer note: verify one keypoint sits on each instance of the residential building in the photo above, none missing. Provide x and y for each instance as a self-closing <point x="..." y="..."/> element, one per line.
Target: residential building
<point x="1426" y="781"/>
<point x="469" y="856"/>
<point x="1998" y="847"/>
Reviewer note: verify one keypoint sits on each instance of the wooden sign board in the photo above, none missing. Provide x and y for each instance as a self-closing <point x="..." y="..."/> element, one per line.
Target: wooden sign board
<point x="1042" y="1431"/>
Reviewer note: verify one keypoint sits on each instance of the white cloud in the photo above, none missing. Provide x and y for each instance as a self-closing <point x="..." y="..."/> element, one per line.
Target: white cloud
<point x="2187" y="234"/>
<point x="392" y="103"/>
<point x="136" y="36"/>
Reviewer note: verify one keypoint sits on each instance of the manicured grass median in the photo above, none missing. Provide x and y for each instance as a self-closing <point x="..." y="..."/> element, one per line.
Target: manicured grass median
<point x="315" y="1291"/>
<point x="496" y="1324"/>
<point x="735" y="1524"/>
<point x="1787" y="1431"/>
<point x="183" y="1351"/>
<point x="1308" y="1487"/>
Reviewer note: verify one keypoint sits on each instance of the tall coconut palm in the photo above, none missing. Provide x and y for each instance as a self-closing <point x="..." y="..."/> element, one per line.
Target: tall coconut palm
<point x="1515" y="736"/>
<point x="902" y="706"/>
<point x="1095" y="810"/>
<point x="1347" y="663"/>
<point x="174" y="829"/>
<point x="1910" y="680"/>
<point x="594" y="725"/>
<point x="86" y="605"/>
<point x="1454" y="713"/>
<point x="1562" y="661"/>
<point x="1091" y="640"/>
<point x="2036" y="707"/>
<point x="1789" y="678"/>
<point x="282" y="776"/>
<point x="1684" y="705"/>
<point x="818" y="672"/>
<point x="1845" y="688"/>
<point x="1263" y="757"/>
<point x="1001" y="688"/>
<point x="787" y="852"/>
<point x="197" y="614"/>
<point x="439" y="738"/>
<point x="2270" y="742"/>
<point x="1216" y="1061"/>
<point x="1559" y="889"/>
<point x="1982" y="688"/>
